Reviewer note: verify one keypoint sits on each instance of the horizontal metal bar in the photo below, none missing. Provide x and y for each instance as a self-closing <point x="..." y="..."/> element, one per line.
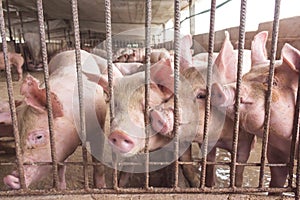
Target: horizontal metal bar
<point x="149" y="190"/>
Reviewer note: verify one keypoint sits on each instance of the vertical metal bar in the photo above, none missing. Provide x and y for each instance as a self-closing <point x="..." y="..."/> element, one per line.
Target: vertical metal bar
<point x="295" y="137"/>
<point x="192" y="19"/>
<point x="110" y="77"/>
<point x="297" y="189"/>
<point x="208" y="91"/>
<point x="48" y="29"/>
<point x="294" y="141"/>
<point x="269" y="93"/>
<point x="22" y="33"/>
<point x="22" y="25"/>
<point x="12" y="101"/>
<point x="8" y="20"/>
<point x="164" y="33"/>
<point x="238" y="86"/>
<point x="80" y="91"/>
<point x="176" y="84"/>
<point x="148" y="16"/>
<point x="48" y="97"/>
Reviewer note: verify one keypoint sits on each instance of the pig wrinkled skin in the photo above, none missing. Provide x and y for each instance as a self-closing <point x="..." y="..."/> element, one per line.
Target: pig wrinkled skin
<point x="221" y="127"/>
<point x="14" y="59"/>
<point x="252" y="102"/>
<point x="33" y="119"/>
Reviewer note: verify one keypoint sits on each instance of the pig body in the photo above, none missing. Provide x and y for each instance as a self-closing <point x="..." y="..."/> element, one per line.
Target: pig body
<point x="33" y="43"/>
<point x="252" y="103"/>
<point x="15" y="60"/>
<point x="33" y="120"/>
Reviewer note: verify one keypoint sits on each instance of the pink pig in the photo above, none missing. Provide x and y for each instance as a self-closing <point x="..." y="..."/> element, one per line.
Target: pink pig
<point x="252" y="102"/>
<point x="16" y="60"/>
<point x="33" y="119"/>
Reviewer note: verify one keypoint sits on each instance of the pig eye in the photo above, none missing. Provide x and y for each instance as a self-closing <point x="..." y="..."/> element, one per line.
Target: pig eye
<point x="201" y="95"/>
<point x="275" y="82"/>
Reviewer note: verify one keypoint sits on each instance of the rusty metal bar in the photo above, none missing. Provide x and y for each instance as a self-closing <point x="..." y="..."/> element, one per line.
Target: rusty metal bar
<point x="293" y="147"/>
<point x="48" y="29"/>
<point x="48" y="95"/>
<point x="192" y="20"/>
<point x="148" y="16"/>
<point x="110" y="78"/>
<point x="297" y="189"/>
<point x="295" y="138"/>
<point x="176" y="85"/>
<point x="269" y="93"/>
<point x="8" y="20"/>
<point x="150" y="163"/>
<point x="12" y="101"/>
<point x="238" y="86"/>
<point x="151" y="190"/>
<point x="80" y="91"/>
<point x="208" y="91"/>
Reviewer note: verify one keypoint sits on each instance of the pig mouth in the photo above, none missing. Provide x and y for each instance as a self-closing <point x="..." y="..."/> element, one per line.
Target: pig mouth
<point x="31" y="173"/>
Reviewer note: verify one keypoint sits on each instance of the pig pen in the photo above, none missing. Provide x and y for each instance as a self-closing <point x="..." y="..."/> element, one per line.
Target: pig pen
<point x="77" y="183"/>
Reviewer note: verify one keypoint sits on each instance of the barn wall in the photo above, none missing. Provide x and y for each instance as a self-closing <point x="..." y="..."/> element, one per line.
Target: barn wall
<point x="289" y="32"/>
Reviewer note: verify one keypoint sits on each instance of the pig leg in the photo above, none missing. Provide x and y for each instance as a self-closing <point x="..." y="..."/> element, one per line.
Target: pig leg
<point x="191" y="172"/>
<point x="210" y="169"/>
<point x="99" y="175"/>
<point x="245" y="145"/>
<point x="20" y="73"/>
<point x="278" y="174"/>
<point x="62" y="177"/>
<point x="124" y="177"/>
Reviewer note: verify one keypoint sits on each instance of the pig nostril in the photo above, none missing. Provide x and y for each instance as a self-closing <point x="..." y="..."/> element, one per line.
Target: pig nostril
<point x="128" y="141"/>
<point x="39" y="137"/>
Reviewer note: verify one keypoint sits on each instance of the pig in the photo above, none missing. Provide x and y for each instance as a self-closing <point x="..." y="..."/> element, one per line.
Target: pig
<point x="220" y="126"/>
<point x="14" y="59"/>
<point x="33" y="119"/>
<point x="33" y="43"/>
<point x="252" y="102"/>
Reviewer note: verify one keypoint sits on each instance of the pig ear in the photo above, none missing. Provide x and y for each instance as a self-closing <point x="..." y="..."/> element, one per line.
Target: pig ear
<point x="103" y="79"/>
<point x="186" y="43"/>
<point x="258" y="48"/>
<point x="291" y="56"/>
<point x="226" y="62"/>
<point x="161" y="73"/>
<point x="36" y="97"/>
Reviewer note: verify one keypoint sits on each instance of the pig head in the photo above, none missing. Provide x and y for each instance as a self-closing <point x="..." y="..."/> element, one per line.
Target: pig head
<point x="128" y="128"/>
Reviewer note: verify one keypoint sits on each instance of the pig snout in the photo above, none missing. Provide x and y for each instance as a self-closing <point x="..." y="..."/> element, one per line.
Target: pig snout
<point x="12" y="180"/>
<point x="162" y="121"/>
<point x="121" y="141"/>
<point x="222" y="96"/>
